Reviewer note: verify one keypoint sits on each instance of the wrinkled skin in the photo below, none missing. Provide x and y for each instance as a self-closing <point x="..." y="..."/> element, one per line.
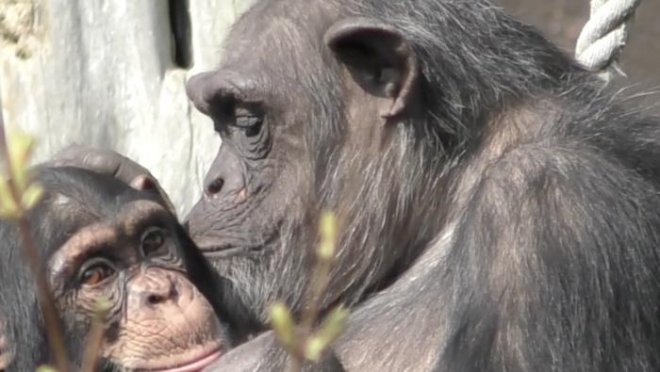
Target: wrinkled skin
<point x="101" y="238"/>
<point x="499" y="210"/>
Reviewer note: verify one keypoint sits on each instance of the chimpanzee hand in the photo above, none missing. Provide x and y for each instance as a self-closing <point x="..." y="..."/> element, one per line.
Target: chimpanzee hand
<point x="109" y="162"/>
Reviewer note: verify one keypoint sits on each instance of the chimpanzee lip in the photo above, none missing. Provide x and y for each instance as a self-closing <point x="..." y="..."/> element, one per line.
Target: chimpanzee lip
<point x="195" y="364"/>
<point x="220" y="250"/>
<point x="212" y="247"/>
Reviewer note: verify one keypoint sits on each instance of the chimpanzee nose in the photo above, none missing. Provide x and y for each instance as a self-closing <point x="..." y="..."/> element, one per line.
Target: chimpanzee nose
<point x="214" y="186"/>
<point x="224" y="182"/>
<point x="153" y="289"/>
<point x="159" y="296"/>
<point x="225" y="176"/>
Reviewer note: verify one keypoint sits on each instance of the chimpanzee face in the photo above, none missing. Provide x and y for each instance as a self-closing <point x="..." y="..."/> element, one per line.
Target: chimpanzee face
<point x="106" y="244"/>
<point x="158" y="319"/>
<point x="308" y="113"/>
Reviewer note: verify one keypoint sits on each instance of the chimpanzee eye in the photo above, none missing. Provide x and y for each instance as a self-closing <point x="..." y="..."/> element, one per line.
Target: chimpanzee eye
<point x="251" y="124"/>
<point x="152" y="240"/>
<point x="376" y="75"/>
<point x="95" y="271"/>
<point x="231" y="114"/>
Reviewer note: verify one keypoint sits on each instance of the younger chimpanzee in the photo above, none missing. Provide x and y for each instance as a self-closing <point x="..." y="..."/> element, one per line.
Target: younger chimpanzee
<point x="101" y="238"/>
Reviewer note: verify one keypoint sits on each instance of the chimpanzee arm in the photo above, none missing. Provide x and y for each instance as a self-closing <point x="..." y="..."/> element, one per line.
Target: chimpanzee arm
<point x="556" y="259"/>
<point x="264" y="354"/>
<point x="550" y="266"/>
<point x="556" y="262"/>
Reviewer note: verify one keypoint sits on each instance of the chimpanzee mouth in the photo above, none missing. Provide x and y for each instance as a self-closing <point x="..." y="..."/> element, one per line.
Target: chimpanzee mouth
<point x="233" y="252"/>
<point x="210" y="245"/>
<point x="229" y="247"/>
<point x="220" y="251"/>
<point x="195" y="364"/>
<point x="211" y="248"/>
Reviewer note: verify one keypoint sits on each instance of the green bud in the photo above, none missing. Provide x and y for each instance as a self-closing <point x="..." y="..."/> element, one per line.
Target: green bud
<point x="332" y="327"/>
<point x="8" y="207"/>
<point x="103" y="306"/>
<point x="328" y="226"/>
<point x="46" y="369"/>
<point x="314" y="349"/>
<point x="19" y="146"/>
<point x="328" y="230"/>
<point x="282" y="322"/>
<point x="326" y="251"/>
<point x="32" y="195"/>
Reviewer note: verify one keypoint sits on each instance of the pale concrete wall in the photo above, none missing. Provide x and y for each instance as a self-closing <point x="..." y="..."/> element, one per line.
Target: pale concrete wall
<point x="562" y="21"/>
<point x="102" y="72"/>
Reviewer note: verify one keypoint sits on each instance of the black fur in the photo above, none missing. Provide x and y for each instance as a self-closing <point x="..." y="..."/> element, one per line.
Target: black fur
<point x="97" y="196"/>
<point x="508" y="220"/>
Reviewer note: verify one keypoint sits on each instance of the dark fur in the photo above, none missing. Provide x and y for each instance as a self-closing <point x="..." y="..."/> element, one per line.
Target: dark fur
<point x="96" y="195"/>
<point x="509" y="222"/>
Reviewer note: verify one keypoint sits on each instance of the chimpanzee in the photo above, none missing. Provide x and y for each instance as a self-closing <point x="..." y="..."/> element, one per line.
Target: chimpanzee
<point x="500" y="209"/>
<point x="100" y="238"/>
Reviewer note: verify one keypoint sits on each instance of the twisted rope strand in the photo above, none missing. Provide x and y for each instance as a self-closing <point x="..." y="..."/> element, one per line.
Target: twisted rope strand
<point x="605" y="35"/>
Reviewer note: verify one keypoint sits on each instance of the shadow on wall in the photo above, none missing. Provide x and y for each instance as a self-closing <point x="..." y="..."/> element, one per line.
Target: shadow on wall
<point x="562" y="21"/>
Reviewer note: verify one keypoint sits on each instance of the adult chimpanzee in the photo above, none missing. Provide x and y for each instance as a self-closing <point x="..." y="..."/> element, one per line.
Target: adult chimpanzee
<point x="98" y="237"/>
<point x="500" y="210"/>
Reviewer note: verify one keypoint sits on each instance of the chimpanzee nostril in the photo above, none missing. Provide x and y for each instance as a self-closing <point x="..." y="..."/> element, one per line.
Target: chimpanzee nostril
<point x="215" y="186"/>
<point x="154" y="299"/>
<point x="225" y="177"/>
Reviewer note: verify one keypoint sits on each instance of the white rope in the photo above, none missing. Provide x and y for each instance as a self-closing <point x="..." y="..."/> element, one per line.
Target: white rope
<point x="605" y="35"/>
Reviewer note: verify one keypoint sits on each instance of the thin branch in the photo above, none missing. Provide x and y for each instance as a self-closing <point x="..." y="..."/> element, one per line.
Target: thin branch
<point x="47" y="304"/>
<point x="95" y="338"/>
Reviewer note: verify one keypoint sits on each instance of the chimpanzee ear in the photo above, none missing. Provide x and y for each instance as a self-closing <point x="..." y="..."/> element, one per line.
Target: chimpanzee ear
<point x="379" y="58"/>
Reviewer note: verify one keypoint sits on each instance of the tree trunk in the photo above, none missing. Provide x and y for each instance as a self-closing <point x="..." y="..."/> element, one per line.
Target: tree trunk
<point x="111" y="74"/>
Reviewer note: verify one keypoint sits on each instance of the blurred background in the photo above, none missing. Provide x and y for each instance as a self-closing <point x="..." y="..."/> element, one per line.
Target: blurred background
<point x="111" y="73"/>
<point x="562" y="21"/>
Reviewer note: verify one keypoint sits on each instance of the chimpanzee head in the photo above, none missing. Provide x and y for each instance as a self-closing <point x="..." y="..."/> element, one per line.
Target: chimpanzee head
<point x="338" y="105"/>
<point x="99" y="239"/>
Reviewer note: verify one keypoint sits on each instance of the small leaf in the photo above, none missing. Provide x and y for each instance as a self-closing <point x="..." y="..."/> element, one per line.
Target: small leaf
<point x="328" y="231"/>
<point x="19" y="146"/>
<point x="31" y="196"/>
<point x="328" y="226"/>
<point x="9" y="214"/>
<point x="46" y="369"/>
<point x="314" y="349"/>
<point x="103" y="305"/>
<point x="332" y="327"/>
<point x="283" y="324"/>
<point x="8" y="207"/>
<point x="95" y="337"/>
<point x="326" y="251"/>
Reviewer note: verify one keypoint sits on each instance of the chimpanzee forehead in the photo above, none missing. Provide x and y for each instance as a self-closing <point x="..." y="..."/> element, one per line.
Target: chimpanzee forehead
<point x="128" y="225"/>
<point x="99" y="194"/>
<point x="278" y="33"/>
